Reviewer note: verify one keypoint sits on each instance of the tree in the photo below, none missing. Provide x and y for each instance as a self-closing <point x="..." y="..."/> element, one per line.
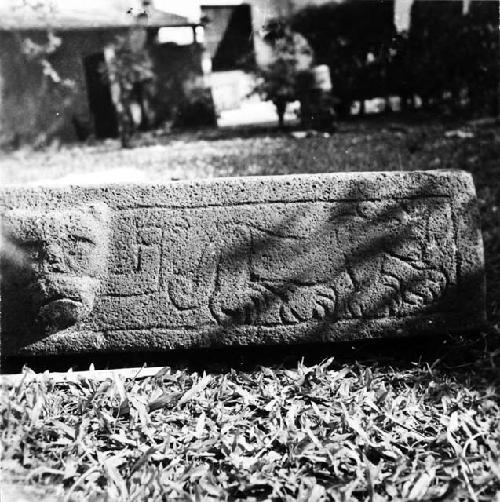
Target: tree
<point x="286" y="78"/>
<point x="128" y="68"/>
<point x="482" y="50"/>
<point x="30" y="57"/>
<point x="454" y="55"/>
<point x="354" y="39"/>
<point x="54" y="92"/>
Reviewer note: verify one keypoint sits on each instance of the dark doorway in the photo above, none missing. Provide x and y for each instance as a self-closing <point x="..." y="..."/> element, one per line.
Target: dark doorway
<point x="229" y="37"/>
<point x="99" y="95"/>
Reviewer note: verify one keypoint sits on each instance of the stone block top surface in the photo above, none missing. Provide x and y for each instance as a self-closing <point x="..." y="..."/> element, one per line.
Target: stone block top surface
<point x="279" y="259"/>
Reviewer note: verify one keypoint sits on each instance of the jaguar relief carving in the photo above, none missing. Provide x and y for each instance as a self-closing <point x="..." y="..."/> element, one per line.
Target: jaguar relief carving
<point x="350" y="266"/>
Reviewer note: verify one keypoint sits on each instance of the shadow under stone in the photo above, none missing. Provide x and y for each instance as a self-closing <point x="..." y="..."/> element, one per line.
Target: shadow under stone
<point x="363" y="279"/>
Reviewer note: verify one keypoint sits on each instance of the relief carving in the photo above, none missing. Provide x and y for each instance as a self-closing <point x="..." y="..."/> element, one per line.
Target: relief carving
<point x="135" y="258"/>
<point x="52" y="265"/>
<point x="277" y="264"/>
<point x="353" y="262"/>
<point x="261" y="288"/>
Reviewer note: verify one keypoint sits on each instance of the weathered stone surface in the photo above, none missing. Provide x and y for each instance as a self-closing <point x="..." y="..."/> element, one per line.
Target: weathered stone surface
<point x="239" y="261"/>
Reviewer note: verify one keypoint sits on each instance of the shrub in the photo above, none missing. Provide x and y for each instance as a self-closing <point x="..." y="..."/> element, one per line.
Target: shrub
<point x="354" y="39"/>
<point x="55" y="93"/>
<point x="287" y="78"/>
<point x="447" y="56"/>
<point x="129" y="70"/>
<point x="196" y="109"/>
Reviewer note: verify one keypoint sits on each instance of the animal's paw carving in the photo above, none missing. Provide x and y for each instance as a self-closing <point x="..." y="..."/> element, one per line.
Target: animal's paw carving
<point x="424" y="290"/>
<point x="244" y="306"/>
<point x="304" y="303"/>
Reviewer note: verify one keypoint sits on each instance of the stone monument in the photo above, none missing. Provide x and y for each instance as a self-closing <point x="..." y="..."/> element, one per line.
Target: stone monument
<point x="268" y="260"/>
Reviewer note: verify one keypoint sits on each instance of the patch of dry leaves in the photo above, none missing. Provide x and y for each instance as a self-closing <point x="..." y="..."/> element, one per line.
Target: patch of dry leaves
<point x="326" y="432"/>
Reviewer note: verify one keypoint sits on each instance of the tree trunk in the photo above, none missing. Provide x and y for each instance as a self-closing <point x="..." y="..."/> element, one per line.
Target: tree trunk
<point x="426" y="102"/>
<point x="404" y="105"/>
<point x="387" y="105"/>
<point x="125" y="122"/>
<point x="362" y="109"/>
<point x="280" y="109"/>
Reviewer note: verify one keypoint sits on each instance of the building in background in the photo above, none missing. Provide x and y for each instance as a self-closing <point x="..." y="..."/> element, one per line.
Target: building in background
<point x="194" y="44"/>
<point x="55" y="87"/>
<point x="234" y="41"/>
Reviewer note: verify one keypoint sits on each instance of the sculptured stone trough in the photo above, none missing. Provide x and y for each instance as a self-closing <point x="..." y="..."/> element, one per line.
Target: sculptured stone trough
<point x="239" y="261"/>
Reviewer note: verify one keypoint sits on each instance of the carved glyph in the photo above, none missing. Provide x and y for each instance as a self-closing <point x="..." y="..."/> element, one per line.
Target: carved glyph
<point x="277" y="264"/>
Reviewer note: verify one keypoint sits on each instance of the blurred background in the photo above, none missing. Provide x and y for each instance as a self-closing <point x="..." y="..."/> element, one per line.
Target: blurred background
<point x="73" y="71"/>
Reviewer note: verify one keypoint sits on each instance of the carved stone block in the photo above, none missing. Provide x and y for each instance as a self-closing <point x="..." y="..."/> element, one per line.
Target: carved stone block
<point x="239" y="261"/>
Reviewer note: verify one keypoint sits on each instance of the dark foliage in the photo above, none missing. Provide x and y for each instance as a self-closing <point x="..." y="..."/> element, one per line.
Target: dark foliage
<point x="196" y="109"/>
<point x="129" y="72"/>
<point x="354" y="39"/>
<point x="288" y="77"/>
<point x="453" y="57"/>
<point x="449" y="58"/>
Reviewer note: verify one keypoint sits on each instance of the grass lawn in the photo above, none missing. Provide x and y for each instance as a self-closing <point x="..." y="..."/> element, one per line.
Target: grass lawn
<point x="400" y="420"/>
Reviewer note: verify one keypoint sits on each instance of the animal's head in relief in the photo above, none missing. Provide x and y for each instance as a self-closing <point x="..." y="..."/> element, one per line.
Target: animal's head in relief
<point x="53" y="263"/>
